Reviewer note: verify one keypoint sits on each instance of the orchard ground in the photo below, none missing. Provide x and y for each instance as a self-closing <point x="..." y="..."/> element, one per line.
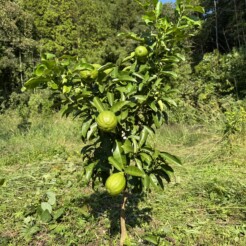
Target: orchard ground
<point x="203" y="205"/>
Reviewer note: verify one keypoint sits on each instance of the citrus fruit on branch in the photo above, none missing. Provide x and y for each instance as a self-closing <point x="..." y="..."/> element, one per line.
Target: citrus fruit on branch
<point x="115" y="183"/>
<point x="141" y="53"/>
<point x="106" y="121"/>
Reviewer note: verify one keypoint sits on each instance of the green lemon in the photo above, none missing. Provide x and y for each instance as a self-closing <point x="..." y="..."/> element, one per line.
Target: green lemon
<point x="141" y="54"/>
<point x="106" y="121"/>
<point x="115" y="183"/>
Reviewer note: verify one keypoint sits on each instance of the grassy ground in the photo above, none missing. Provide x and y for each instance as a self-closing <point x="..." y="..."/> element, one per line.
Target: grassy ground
<point x="205" y="204"/>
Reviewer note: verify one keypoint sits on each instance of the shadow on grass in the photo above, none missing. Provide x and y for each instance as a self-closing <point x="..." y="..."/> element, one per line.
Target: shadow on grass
<point x="100" y="203"/>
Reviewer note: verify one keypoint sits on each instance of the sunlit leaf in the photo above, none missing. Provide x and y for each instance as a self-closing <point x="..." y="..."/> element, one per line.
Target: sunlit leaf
<point x="170" y="158"/>
<point x="127" y="147"/>
<point x="158" y="9"/>
<point x="110" y="97"/>
<point x="46" y="206"/>
<point x="34" y="82"/>
<point x="134" y="171"/>
<point x="98" y="104"/>
<point x="51" y="197"/>
<point x="115" y="163"/>
<point x="146" y="158"/>
<point x="118" y="106"/>
<point x="89" y="171"/>
<point x="118" y="155"/>
<point x="92" y="130"/>
<point x="85" y="127"/>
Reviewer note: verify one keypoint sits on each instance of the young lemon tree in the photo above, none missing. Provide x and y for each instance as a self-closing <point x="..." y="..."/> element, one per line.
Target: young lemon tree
<point x="122" y="105"/>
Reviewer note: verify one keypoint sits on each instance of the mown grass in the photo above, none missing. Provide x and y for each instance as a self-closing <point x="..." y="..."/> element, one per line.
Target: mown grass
<point x="205" y="204"/>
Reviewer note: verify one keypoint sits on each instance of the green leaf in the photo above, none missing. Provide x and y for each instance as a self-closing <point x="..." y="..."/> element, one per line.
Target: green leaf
<point x="84" y="66"/>
<point x="34" y="82"/>
<point x="153" y="181"/>
<point x="152" y="239"/>
<point x="106" y="66"/>
<point x="158" y="9"/>
<point x="46" y="206"/>
<point x="140" y="98"/>
<point x="46" y="216"/>
<point x="115" y="163"/>
<point x="131" y="35"/>
<point x="51" y="197"/>
<point x="170" y="158"/>
<point x="110" y="97"/>
<point x="153" y="106"/>
<point x="89" y="170"/>
<point x="117" y="154"/>
<point x="199" y="9"/>
<point x="157" y="120"/>
<point x="66" y="89"/>
<point x="40" y="70"/>
<point x="143" y="137"/>
<point x="127" y="147"/>
<point x="169" y="101"/>
<point x="126" y="78"/>
<point x="170" y="73"/>
<point x="49" y="56"/>
<point x="146" y="182"/>
<point x="134" y="171"/>
<point x="135" y="145"/>
<point x="123" y="115"/>
<point x="58" y="213"/>
<point x="97" y="103"/>
<point x="139" y="163"/>
<point x="146" y="158"/>
<point x="85" y="127"/>
<point x="118" y="106"/>
<point x="92" y="130"/>
<point x="51" y="84"/>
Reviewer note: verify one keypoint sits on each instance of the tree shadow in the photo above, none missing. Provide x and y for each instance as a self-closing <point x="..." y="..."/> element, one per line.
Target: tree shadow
<point x="100" y="203"/>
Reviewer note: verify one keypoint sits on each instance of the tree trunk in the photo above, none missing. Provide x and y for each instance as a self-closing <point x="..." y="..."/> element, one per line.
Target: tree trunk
<point x="123" y="234"/>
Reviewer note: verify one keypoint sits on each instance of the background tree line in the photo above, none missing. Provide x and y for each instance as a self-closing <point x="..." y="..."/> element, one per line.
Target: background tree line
<point x="89" y="28"/>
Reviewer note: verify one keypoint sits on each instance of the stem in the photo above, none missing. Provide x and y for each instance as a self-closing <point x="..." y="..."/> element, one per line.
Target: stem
<point x="123" y="233"/>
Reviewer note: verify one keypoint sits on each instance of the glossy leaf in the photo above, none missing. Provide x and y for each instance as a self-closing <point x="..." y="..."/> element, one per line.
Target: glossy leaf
<point x="34" y="82"/>
<point x="110" y="97"/>
<point x="127" y="147"/>
<point x="85" y="127"/>
<point x="89" y="171"/>
<point x="98" y="104"/>
<point x="158" y="9"/>
<point x="170" y="158"/>
<point x="118" y="155"/>
<point x="146" y="158"/>
<point x="143" y="137"/>
<point x="153" y="181"/>
<point x="118" y="106"/>
<point x="139" y="163"/>
<point x="115" y="163"/>
<point x="134" y="171"/>
<point x="146" y="182"/>
<point x="92" y="130"/>
<point x="51" y="197"/>
<point x="39" y="71"/>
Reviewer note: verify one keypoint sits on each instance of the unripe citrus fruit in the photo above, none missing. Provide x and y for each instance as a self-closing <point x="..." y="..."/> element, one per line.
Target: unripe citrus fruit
<point x="106" y="121"/>
<point x="115" y="183"/>
<point x="141" y="53"/>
